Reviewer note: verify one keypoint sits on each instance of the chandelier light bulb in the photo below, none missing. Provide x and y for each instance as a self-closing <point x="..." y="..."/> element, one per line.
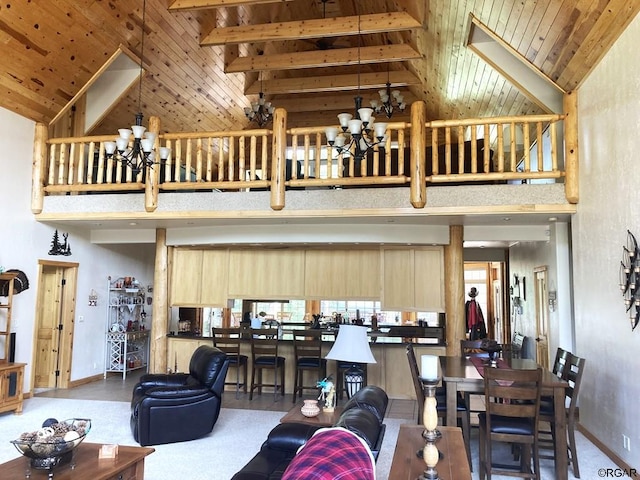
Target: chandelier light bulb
<point x="344" y="119"/>
<point x="125" y="133"/>
<point x="331" y="133"/>
<point x="138" y="131"/>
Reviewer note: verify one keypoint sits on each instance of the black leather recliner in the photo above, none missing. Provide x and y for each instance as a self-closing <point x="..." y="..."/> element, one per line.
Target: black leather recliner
<point x="167" y="408"/>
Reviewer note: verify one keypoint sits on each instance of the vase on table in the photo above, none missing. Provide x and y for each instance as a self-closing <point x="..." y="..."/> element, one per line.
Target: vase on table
<point x="310" y="408"/>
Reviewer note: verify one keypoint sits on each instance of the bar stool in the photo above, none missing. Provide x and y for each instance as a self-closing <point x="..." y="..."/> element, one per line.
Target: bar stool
<point x="228" y="340"/>
<point x="264" y="356"/>
<point x="307" y="347"/>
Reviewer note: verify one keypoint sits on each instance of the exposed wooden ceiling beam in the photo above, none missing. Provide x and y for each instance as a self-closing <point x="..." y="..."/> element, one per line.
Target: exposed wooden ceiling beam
<point x="203" y="4"/>
<point x="333" y="83"/>
<point x="323" y="58"/>
<point x="323" y="27"/>
<point x="332" y="103"/>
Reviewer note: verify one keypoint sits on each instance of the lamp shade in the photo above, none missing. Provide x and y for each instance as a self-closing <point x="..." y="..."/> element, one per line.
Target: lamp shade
<point x="351" y="345"/>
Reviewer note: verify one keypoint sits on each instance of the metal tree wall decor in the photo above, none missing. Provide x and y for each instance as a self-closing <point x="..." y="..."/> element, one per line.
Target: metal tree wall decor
<point x="58" y="248"/>
<point x="630" y="278"/>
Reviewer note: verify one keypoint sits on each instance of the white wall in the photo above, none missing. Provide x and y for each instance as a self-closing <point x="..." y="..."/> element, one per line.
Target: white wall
<point x="609" y="120"/>
<point x="23" y="242"/>
<point x="553" y="254"/>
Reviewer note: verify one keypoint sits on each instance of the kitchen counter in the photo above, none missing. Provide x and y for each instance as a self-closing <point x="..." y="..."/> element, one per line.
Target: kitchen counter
<point x="390" y="372"/>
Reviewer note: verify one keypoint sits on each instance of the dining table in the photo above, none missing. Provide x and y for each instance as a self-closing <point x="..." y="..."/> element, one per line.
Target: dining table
<point x="462" y="374"/>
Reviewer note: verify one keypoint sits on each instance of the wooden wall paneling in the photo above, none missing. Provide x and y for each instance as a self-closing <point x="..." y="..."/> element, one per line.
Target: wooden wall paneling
<point x="186" y="277"/>
<point x="215" y="278"/>
<point x="429" y="279"/>
<point x="322" y="278"/>
<point x="361" y="273"/>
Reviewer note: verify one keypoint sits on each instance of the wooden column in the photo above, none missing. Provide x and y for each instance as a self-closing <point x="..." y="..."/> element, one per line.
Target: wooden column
<point x="38" y="167"/>
<point x="418" y="154"/>
<point x="454" y="289"/>
<point x="151" y="189"/>
<point x="278" y="158"/>
<point x="159" y="320"/>
<point x="571" y="181"/>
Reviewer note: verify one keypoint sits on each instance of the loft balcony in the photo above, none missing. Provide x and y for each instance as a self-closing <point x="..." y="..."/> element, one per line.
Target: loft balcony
<point x="423" y="170"/>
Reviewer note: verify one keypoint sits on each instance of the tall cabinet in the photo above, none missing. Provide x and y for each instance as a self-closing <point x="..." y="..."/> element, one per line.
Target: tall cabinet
<point x="127" y="337"/>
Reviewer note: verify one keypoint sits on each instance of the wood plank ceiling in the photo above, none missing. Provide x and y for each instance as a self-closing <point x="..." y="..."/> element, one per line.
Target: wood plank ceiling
<point x="207" y="59"/>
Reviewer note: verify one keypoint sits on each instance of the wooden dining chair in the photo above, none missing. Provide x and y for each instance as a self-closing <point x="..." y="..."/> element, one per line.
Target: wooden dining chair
<point x="462" y="412"/>
<point x="228" y="340"/>
<point x="307" y="350"/>
<point x="512" y="401"/>
<point x="264" y="356"/>
<point x="572" y="370"/>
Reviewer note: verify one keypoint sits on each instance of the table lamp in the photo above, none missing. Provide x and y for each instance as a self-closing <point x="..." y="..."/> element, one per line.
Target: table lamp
<point x="352" y="346"/>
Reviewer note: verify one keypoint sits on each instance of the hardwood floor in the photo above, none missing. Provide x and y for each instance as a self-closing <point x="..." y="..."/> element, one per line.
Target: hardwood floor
<point x="113" y="388"/>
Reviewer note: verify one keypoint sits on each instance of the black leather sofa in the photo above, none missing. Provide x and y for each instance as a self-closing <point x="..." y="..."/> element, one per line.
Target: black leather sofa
<point x="363" y="414"/>
<point x="167" y="408"/>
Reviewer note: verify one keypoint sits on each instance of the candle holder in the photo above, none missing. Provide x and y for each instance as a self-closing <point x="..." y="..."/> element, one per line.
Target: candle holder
<point x="430" y="453"/>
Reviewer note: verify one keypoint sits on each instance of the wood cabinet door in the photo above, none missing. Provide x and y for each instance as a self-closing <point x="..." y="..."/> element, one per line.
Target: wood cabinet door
<point x="342" y="274"/>
<point x="274" y="274"/>
<point x="397" y="279"/>
<point x="215" y="278"/>
<point x="429" y="279"/>
<point x="186" y="277"/>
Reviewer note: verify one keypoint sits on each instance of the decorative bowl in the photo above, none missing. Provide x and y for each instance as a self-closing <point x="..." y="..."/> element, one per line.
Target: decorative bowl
<point x="54" y="443"/>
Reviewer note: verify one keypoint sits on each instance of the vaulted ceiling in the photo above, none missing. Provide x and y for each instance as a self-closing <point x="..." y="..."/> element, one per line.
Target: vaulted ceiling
<point x="207" y="59"/>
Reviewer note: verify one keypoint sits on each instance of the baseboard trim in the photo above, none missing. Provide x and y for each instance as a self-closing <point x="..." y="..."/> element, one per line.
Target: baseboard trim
<point x="606" y="450"/>
<point x="85" y="380"/>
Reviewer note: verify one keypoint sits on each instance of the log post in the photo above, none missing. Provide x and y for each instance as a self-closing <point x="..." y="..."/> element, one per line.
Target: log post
<point x="418" y="190"/>
<point x="454" y="290"/>
<point x="38" y="167"/>
<point x="571" y="166"/>
<point x="159" y="319"/>
<point x="278" y="158"/>
<point x="151" y="188"/>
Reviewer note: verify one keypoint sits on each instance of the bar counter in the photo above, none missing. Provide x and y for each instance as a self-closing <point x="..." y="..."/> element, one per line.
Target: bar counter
<point x="391" y="372"/>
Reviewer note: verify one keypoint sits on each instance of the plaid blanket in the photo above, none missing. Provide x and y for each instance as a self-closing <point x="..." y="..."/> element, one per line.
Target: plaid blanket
<point x="332" y="454"/>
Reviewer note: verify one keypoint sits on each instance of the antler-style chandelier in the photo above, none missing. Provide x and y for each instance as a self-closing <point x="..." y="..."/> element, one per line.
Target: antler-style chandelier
<point x="260" y="111"/>
<point x="389" y="100"/>
<point x="360" y="134"/>
<point x="140" y="154"/>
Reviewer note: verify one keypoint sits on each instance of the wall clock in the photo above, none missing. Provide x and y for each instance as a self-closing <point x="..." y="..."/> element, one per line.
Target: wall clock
<point x="630" y="279"/>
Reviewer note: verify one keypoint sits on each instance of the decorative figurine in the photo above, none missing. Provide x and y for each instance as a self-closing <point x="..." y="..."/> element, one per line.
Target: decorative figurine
<point x="327" y="393"/>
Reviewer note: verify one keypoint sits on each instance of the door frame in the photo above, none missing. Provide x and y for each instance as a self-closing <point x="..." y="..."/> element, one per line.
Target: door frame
<point x="67" y="320"/>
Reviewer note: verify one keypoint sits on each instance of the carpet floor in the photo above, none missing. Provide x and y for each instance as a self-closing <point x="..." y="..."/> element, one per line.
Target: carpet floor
<point x="236" y="437"/>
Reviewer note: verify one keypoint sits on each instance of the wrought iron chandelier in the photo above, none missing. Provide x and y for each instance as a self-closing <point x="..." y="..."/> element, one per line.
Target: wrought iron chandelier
<point x="389" y="100"/>
<point x="140" y="154"/>
<point x="261" y="111"/>
<point x="360" y="133"/>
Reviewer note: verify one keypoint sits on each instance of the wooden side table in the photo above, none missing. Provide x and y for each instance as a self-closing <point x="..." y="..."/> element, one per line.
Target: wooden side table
<point x="452" y="466"/>
<point x="324" y="419"/>
<point x="129" y="465"/>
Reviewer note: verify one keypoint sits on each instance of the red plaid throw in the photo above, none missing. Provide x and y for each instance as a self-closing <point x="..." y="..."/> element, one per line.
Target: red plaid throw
<point x="332" y="454"/>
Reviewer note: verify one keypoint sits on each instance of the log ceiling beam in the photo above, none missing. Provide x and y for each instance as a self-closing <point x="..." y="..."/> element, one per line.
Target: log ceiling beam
<point x="178" y="5"/>
<point x="317" y="28"/>
<point x="324" y="58"/>
<point x="333" y="83"/>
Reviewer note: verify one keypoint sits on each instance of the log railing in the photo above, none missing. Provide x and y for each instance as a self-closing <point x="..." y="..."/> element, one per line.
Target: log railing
<point x="416" y="154"/>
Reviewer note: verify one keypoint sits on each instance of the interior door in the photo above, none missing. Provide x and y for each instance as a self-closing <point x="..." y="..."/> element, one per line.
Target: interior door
<point x="542" y="316"/>
<point x="55" y="311"/>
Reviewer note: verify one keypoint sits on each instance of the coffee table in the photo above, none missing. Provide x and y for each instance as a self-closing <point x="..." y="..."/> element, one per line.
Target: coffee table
<point x="452" y="466"/>
<point x="323" y="419"/>
<point x="129" y="464"/>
